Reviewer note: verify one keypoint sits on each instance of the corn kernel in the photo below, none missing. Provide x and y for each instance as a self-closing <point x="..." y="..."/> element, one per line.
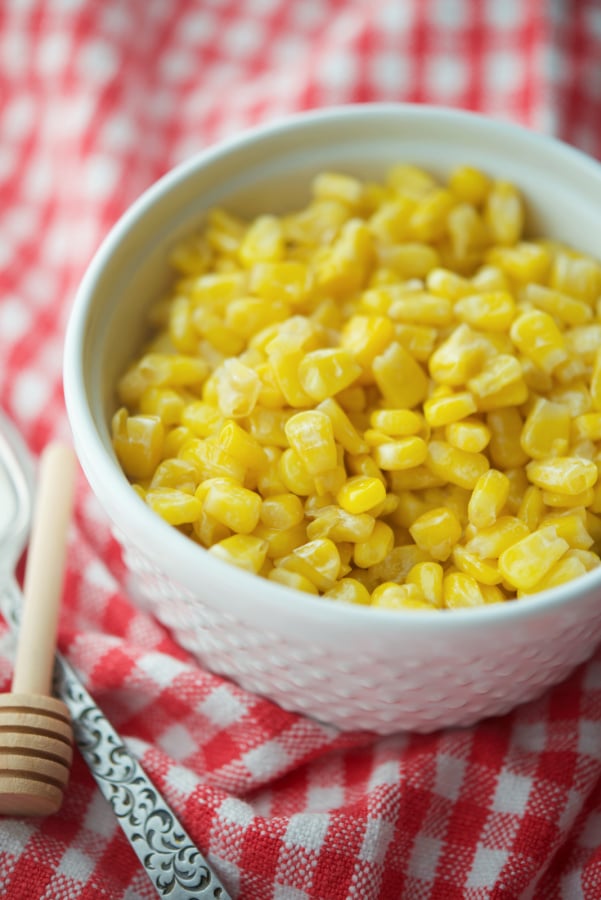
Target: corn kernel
<point x="230" y="503"/>
<point x="349" y="590"/>
<point x="484" y="571"/>
<point x="340" y="525"/>
<point x="528" y="560"/>
<point x="399" y="596"/>
<point x="404" y="453"/>
<point x="436" y="532"/>
<point x="360" y="493"/>
<point x="175" y="506"/>
<point x="281" y="541"/>
<point x="365" y="337"/>
<point x="282" y="511"/>
<point x="442" y="408"/>
<point x="456" y="466"/>
<point x="293" y="473"/>
<point x="311" y="434"/>
<point x="505" y="448"/>
<point x="211" y="460"/>
<point x="176" y="473"/>
<point x="490" y="311"/>
<point x="563" y="475"/>
<point x="492" y="541"/>
<point x="460" y="590"/>
<point x="537" y="336"/>
<point x="488" y="498"/>
<point x="317" y="560"/>
<point x="337" y="186"/>
<point x="561" y="306"/>
<point x="572" y="527"/>
<point x="420" y="308"/>
<point x="397" y="422"/>
<point x="401" y="379"/>
<point x="376" y="548"/>
<point x="576" y="275"/>
<point x="546" y="431"/>
<point x="293" y="580"/>
<point x="532" y="507"/>
<point x="458" y="358"/>
<point x="469" y="184"/>
<point x="138" y="443"/>
<point x="428" y="577"/>
<point x="504" y="213"/>
<point x="243" y="550"/>
<point x="323" y="373"/>
<point x="469" y="435"/>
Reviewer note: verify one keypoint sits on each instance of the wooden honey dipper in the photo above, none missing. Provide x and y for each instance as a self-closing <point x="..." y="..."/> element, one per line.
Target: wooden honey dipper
<point x="35" y="728"/>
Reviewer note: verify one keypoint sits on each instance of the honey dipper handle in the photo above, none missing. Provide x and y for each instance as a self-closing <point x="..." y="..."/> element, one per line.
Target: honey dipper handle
<point x="44" y="571"/>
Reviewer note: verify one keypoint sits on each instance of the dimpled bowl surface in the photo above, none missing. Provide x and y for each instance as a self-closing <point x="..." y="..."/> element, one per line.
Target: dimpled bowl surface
<point x="353" y="667"/>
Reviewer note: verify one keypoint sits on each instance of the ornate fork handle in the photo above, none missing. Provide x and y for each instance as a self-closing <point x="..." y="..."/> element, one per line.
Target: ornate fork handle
<point x="173" y="863"/>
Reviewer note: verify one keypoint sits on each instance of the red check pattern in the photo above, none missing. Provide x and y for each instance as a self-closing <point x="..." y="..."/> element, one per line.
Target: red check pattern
<point x="96" y="101"/>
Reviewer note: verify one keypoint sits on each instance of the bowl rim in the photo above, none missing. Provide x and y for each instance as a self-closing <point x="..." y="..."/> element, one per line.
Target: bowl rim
<point x="104" y="475"/>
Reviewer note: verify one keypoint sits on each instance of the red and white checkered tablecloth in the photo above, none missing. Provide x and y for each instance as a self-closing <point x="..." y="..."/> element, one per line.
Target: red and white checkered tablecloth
<point x="98" y="99"/>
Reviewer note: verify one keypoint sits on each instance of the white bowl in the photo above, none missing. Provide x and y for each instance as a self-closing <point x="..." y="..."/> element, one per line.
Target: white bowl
<point x="353" y="667"/>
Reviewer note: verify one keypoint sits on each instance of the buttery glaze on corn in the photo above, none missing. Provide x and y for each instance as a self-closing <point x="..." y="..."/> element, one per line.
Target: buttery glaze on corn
<point x="390" y="397"/>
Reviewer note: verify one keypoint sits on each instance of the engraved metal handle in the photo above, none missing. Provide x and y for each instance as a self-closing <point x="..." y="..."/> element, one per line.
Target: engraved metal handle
<point x="173" y="863"/>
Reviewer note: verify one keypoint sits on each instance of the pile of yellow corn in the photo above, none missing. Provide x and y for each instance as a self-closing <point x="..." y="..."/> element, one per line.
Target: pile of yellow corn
<point x="389" y="397"/>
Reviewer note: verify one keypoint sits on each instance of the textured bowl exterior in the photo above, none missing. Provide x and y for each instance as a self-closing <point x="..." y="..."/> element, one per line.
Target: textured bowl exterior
<point x="352" y="667"/>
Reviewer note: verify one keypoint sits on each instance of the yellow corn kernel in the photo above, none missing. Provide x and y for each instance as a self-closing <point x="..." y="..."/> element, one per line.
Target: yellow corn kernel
<point x="557" y="500"/>
<point x="285" y="367"/>
<point x="344" y="265"/>
<point x="322" y="373"/>
<point x="593" y="526"/>
<point x="175" y="438"/>
<point x="395" y="567"/>
<point x="469" y="435"/>
<point x="231" y="504"/>
<point x="175" y="506"/>
<point x="352" y="400"/>
<point x="418" y="340"/>
<point x="410" y="259"/>
<point x="349" y="590"/>
<point x="311" y="434"/>
<point x="292" y="580"/>
<point x="267" y="426"/>
<point x="138" y="443"/>
<point x="467" y="234"/>
<point x="561" y="306"/>
<point x="400" y="378"/>
<point x="175" y="473"/>
<point x="483" y="570"/>
<point x="281" y="541"/>
<point x="165" y="403"/>
<point x="546" y="431"/>
<point x="490" y="542"/>
<point x="376" y="548"/>
<point x="242" y="446"/>
<point x="595" y="384"/>
<point x="577" y="275"/>
<point x="420" y="308"/>
<point x="415" y="479"/>
<point x="345" y="432"/>
<point x="428" y="577"/>
<point x="191" y="257"/>
<point x="428" y="221"/>
<point x="532" y="507"/>
<point x="498" y="373"/>
<point x="317" y="560"/>
<point x="397" y="422"/>
<point x="404" y="453"/>
<point x="488" y="498"/>
<point x="437" y="531"/>
<point x="572" y="527"/>
<point x="365" y="337"/>
<point x="285" y="281"/>
<point x="243" y="550"/>
<point x="458" y="358"/>
<point x="469" y="184"/>
<point x="339" y="525"/>
<point x="211" y="460"/>
<point x="505" y="449"/>
<point x="456" y="466"/>
<point x="201" y="418"/>
<point x="566" y="569"/>
<point x="446" y="283"/>
<point x="583" y="341"/>
<point x="248" y="315"/>
<point x="527" y="561"/>
<point x="493" y="593"/>
<point x="208" y="531"/>
<point x="399" y="596"/>
<point x="489" y="311"/>
<point x="460" y="591"/>
<point x="237" y="388"/>
<point x="282" y="511"/>
<point x="537" y="336"/>
<point x="263" y="241"/>
<point x="294" y="475"/>
<point x="444" y="406"/>
<point x="362" y="464"/>
<point x="524" y="262"/>
<point x="330" y="482"/>
<point x="360" y="493"/>
<point x="587" y="427"/>
<point x="504" y="213"/>
<point x="563" y="474"/>
<point x="338" y="186"/>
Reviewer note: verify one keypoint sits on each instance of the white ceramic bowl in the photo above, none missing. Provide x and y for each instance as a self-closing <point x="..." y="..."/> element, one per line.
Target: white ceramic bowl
<point x="354" y="667"/>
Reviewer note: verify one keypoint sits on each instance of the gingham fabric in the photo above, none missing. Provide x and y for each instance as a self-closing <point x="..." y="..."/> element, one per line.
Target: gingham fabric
<point x="98" y="99"/>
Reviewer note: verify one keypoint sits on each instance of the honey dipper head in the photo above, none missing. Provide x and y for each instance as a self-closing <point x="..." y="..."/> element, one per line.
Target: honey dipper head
<point x="35" y="754"/>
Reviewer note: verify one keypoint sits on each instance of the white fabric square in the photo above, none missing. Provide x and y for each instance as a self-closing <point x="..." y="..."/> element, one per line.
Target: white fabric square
<point x="177" y="742"/>
<point x="321" y="798"/>
<point x="592" y="677"/>
<point x="161" y="669"/>
<point x="450" y="772"/>
<point x="424" y="857"/>
<point x="571" y="887"/>
<point x="486" y="867"/>
<point x="307" y="830"/>
<point x="377" y="837"/>
<point x="181" y="780"/>
<point x="511" y="795"/>
<point x="385" y="773"/>
<point x="222" y="707"/>
<point x="100" y="818"/>
<point x="286" y="892"/>
<point x="591" y="834"/>
<point x="76" y="864"/>
<point x="530" y="736"/>
<point x="236" y="812"/>
<point x="589" y="738"/>
<point x="266" y="760"/>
